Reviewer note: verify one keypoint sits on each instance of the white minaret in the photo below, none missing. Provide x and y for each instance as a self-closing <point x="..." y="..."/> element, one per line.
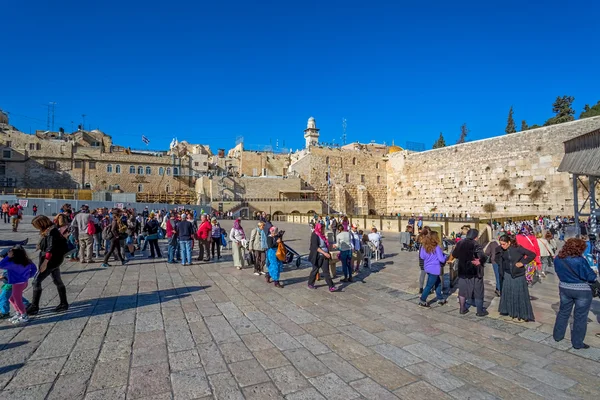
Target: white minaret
<point x="311" y="133"/>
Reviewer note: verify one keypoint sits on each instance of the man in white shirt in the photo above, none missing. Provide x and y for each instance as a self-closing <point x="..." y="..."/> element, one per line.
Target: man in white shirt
<point x="375" y="238"/>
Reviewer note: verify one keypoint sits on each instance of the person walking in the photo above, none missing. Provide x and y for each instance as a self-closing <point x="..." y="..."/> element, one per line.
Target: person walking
<point x="258" y="245"/>
<point x="34" y="209"/>
<point x="514" y="294"/>
<point x="238" y="240"/>
<point x="5" y="208"/>
<point x="422" y="275"/>
<point x="433" y="258"/>
<point x="13" y="212"/>
<point x="490" y="252"/>
<point x="173" y="249"/>
<point x="185" y="233"/>
<point x="19" y="269"/>
<point x="357" y="251"/>
<point x="151" y="228"/>
<point x="575" y="276"/>
<point x="111" y="233"/>
<point x="53" y="247"/>
<point x="215" y="238"/>
<point x="319" y="257"/>
<point x="547" y="246"/>
<point x="204" y="234"/>
<point x="345" y="248"/>
<point x="85" y="241"/>
<point x="470" y="272"/>
<point x="527" y="239"/>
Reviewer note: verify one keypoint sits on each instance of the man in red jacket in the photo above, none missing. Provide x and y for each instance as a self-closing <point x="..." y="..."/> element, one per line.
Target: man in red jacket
<point x="203" y="234"/>
<point x="13" y="212"/>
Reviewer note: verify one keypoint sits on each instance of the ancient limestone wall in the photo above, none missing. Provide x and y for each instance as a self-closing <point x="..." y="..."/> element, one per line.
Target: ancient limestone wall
<point x="516" y="172"/>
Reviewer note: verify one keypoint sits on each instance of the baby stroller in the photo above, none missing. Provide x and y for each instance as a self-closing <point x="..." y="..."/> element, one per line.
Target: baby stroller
<point x="290" y="254"/>
<point x="406" y="239"/>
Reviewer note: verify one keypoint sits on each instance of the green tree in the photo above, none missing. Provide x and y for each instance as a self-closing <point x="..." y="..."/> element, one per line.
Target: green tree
<point x="563" y="108"/>
<point x="524" y="126"/>
<point x="464" y="131"/>
<point x="534" y="126"/>
<point x="510" y="124"/>
<point x="441" y="142"/>
<point x="590" y="111"/>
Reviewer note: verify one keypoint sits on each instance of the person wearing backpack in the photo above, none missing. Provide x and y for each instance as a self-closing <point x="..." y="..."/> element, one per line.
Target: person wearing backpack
<point x="112" y="233"/>
<point x="53" y="247"/>
<point x="83" y="230"/>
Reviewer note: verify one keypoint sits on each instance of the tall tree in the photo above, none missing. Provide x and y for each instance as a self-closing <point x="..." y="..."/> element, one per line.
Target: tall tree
<point x="524" y="126"/>
<point x="464" y="131"/>
<point x="510" y="123"/>
<point x="563" y="108"/>
<point x="590" y="111"/>
<point x="441" y="142"/>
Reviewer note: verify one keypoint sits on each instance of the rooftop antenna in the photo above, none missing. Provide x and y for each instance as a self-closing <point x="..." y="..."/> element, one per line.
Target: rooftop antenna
<point x="83" y="126"/>
<point x="51" y="107"/>
<point x="344" y="124"/>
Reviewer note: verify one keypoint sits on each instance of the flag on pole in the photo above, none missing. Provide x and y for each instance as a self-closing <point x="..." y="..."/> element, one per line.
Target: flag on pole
<point x="145" y="139"/>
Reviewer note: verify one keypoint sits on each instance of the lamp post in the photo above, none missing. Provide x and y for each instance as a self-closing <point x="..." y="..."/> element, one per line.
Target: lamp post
<point x="328" y="185"/>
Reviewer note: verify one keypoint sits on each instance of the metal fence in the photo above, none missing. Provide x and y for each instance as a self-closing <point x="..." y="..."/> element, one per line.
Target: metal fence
<point x="52" y="206"/>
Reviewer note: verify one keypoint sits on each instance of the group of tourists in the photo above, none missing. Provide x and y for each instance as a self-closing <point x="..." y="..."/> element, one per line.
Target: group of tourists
<point x="517" y="258"/>
<point x="12" y="213"/>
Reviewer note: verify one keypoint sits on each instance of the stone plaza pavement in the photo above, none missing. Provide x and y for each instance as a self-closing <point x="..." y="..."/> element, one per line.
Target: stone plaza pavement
<point x="152" y="330"/>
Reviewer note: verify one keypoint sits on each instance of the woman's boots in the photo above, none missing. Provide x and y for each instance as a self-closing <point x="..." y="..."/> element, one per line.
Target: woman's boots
<point x="62" y="295"/>
<point x="34" y="307"/>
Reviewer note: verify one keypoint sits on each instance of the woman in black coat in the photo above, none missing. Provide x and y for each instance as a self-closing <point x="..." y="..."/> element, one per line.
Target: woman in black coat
<point x="53" y="247"/>
<point x="471" y="260"/>
<point x="514" y="299"/>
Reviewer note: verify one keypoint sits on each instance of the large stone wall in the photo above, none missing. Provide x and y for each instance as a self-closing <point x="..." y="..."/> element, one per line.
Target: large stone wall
<point x="516" y="172"/>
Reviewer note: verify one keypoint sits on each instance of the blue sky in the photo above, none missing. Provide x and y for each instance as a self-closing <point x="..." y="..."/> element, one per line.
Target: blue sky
<point x="211" y="72"/>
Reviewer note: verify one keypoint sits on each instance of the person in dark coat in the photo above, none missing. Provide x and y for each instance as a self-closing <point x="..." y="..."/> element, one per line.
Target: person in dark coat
<point x="512" y="260"/>
<point x="319" y="257"/>
<point x="471" y="260"/>
<point x="53" y="247"/>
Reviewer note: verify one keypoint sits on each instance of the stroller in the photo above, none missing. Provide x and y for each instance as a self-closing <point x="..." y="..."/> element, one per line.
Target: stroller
<point x="290" y="254"/>
<point x="407" y="241"/>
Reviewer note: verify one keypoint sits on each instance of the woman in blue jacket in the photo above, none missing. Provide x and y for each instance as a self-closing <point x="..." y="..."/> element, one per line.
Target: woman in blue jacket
<point x="575" y="276"/>
<point x="433" y="258"/>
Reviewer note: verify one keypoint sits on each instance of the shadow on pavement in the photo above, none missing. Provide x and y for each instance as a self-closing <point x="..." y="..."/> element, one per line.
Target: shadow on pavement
<point x="108" y="305"/>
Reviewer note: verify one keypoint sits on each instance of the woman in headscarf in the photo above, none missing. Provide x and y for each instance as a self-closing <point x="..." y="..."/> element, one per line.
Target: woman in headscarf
<point x="514" y="298"/>
<point x="275" y="264"/>
<point x="238" y="240"/>
<point x="471" y="260"/>
<point x="528" y="240"/>
<point x="319" y="257"/>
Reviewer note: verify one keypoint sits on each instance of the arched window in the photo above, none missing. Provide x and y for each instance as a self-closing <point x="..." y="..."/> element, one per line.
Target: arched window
<point x="118" y="169"/>
<point x="132" y="169"/>
<point x="161" y="171"/>
<point x="140" y="188"/>
<point x="168" y="170"/>
<point x="167" y="188"/>
<point x="175" y="171"/>
<point x="354" y="161"/>
<point x="109" y="168"/>
<point x="148" y="171"/>
<point x="377" y="165"/>
<point x="140" y="170"/>
<point x="327" y="160"/>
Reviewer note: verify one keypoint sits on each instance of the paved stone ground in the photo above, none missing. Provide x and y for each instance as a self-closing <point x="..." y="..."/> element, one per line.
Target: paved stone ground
<point x="150" y="330"/>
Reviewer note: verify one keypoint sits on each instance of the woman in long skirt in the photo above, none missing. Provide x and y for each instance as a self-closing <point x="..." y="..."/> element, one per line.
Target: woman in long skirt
<point x="275" y="265"/>
<point x="512" y="260"/>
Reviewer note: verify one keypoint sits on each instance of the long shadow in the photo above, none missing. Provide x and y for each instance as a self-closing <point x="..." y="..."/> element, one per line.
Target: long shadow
<point x="8" y="346"/>
<point x="12" y="367"/>
<point x="108" y="305"/>
<point x="81" y="270"/>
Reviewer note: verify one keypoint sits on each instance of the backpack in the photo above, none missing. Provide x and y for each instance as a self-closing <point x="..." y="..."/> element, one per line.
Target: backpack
<point x="107" y="233"/>
<point x="91" y="228"/>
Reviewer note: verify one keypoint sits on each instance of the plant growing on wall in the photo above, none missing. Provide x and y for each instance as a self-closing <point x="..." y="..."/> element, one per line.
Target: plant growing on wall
<point x="489" y="208"/>
<point x="504" y="184"/>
